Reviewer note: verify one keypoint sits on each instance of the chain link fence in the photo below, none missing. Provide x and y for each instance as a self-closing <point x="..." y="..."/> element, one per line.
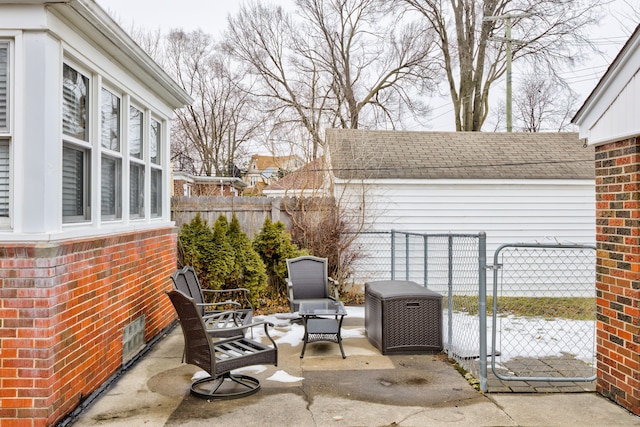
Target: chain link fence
<point x="449" y="264"/>
<point x="537" y="321"/>
<point x="543" y="305"/>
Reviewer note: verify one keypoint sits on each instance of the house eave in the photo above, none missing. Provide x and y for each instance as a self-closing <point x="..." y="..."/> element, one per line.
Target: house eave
<point x="113" y="39"/>
<point x="615" y="79"/>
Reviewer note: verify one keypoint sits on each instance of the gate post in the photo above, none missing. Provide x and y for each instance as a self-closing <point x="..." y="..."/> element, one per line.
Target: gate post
<point x="482" y="307"/>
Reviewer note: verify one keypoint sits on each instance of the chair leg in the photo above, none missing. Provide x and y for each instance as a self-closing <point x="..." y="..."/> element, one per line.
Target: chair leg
<point x="226" y="386"/>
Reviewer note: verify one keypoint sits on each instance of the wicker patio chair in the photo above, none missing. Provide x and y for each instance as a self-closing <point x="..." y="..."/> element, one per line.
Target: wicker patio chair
<point x="308" y="279"/>
<point x="226" y="308"/>
<point x="219" y="357"/>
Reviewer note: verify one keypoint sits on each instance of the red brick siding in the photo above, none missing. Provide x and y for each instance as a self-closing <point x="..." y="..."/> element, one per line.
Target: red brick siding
<point x="63" y="308"/>
<point x="618" y="272"/>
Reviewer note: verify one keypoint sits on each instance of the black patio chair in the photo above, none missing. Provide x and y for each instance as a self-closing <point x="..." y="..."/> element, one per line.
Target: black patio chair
<point x="226" y="308"/>
<point x="308" y="279"/>
<point x="219" y="357"/>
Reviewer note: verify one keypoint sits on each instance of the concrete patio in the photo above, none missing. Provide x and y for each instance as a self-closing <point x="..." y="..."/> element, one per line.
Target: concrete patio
<point x="365" y="389"/>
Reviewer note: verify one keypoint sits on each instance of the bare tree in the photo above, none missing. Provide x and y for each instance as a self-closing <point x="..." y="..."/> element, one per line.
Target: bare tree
<point x="218" y="125"/>
<point x="343" y="63"/>
<point x="472" y="43"/>
<point x="544" y="104"/>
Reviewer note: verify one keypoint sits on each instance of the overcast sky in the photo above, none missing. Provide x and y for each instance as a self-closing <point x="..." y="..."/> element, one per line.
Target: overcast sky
<point x="208" y="15"/>
<point x="211" y="17"/>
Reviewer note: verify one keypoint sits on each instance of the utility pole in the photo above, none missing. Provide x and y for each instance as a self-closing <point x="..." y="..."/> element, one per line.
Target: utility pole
<point x="509" y="55"/>
<point x="509" y="82"/>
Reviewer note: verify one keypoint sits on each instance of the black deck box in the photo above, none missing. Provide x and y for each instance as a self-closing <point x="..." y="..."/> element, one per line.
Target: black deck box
<point x="402" y="317"/>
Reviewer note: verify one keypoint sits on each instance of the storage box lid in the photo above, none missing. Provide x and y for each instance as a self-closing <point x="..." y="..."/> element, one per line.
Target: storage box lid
<point x="398" y="288"/>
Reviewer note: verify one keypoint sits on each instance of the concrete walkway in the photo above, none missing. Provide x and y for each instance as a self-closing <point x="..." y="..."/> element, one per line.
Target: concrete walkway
<point x="365" y="389"/>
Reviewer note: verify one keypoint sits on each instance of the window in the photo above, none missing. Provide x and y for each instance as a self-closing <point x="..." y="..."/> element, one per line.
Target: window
<point x="111" y="161"/>
<point x="75" y="184"/>
<point x="111" y="188"/>
<point x="5" y="146"/>
<point x="76" y="152"/>
<point x="156" y="192"/>
<point x="135" y="132"/>
<point x="136" y="190"/>
<point x="111" y="147"/>
<point x="155" y="144"/>
<point x="75" y="114"/>
<point x="136" y="165"/>
<point x="4" y="179"/>
<point x="4" y="86"/>
<point x="155" y="141"/>
<point x="110" y="112"/>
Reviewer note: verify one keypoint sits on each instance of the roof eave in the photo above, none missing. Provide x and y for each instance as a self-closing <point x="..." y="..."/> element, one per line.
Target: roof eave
<point x="123" y="48"/>
<point x="623" y="67"/>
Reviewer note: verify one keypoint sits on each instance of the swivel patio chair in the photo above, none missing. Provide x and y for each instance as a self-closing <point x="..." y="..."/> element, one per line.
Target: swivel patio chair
<point x="219" y="357"/>
<point x="225" y="308"/>
<point x="308" y="279"/>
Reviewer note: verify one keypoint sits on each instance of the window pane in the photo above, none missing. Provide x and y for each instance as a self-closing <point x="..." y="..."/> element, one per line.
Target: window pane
<point x="75" y="184"/>
<point x="136" y="190"/>
<point x="4" y="179"/>
<point x="75" y="115"/>
<point x="154" y="142"/>
<point x="111" y="188"/>
<point x="156" y="192"/>
<point x="110" y="109"/>
<point x="4" y="86"/>
<point x="135" y="132"/>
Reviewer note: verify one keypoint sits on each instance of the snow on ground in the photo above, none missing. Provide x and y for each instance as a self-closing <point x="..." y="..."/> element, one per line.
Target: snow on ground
<point x="523" y="337"/>
<point x="517" y="336"/>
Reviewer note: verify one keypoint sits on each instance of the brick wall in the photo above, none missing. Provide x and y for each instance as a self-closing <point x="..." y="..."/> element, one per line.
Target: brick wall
<point x="63" y="307"/>
<point x="618" y="272"/>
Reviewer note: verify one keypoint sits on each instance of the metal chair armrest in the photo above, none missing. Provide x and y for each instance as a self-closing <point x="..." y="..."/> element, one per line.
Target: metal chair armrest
<point x="335" y="288"/>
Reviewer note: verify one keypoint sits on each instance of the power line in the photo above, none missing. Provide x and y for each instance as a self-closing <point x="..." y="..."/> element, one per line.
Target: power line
<point x="473" y="165"/>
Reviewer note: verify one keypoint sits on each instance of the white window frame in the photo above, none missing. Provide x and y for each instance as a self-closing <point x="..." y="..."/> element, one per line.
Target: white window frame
<point x="81" y="145"/>
<point x="133" y="165"/>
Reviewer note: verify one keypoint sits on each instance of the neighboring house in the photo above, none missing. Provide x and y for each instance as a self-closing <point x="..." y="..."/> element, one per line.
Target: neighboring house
<point x="86" y="240"/>
<point x="263" y="170"/>
<point x="516" y="187"/>
<point x="186" y="184"/>
<point x="307" y="181"/>
<point x="609" y="120"/>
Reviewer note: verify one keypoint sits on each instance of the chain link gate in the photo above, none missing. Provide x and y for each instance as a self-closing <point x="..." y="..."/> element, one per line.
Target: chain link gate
<point x="543" y="313"/>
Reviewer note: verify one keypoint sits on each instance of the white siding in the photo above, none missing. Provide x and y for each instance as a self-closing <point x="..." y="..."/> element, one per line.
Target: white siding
<point x="620" y="120"/>
<point x="535" y="211"/>
<point x="610" y="113"/>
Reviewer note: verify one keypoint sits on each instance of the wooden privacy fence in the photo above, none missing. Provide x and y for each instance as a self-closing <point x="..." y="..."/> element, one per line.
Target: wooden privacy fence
<point x="250" y="211"/>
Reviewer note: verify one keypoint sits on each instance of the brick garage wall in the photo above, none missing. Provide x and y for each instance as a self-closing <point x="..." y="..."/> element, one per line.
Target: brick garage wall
<point x="63" y="309"/>
<point x="618" y="272"/>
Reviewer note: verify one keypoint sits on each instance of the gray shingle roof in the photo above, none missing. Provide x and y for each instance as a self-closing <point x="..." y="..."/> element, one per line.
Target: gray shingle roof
<point x="373" y="154"/>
